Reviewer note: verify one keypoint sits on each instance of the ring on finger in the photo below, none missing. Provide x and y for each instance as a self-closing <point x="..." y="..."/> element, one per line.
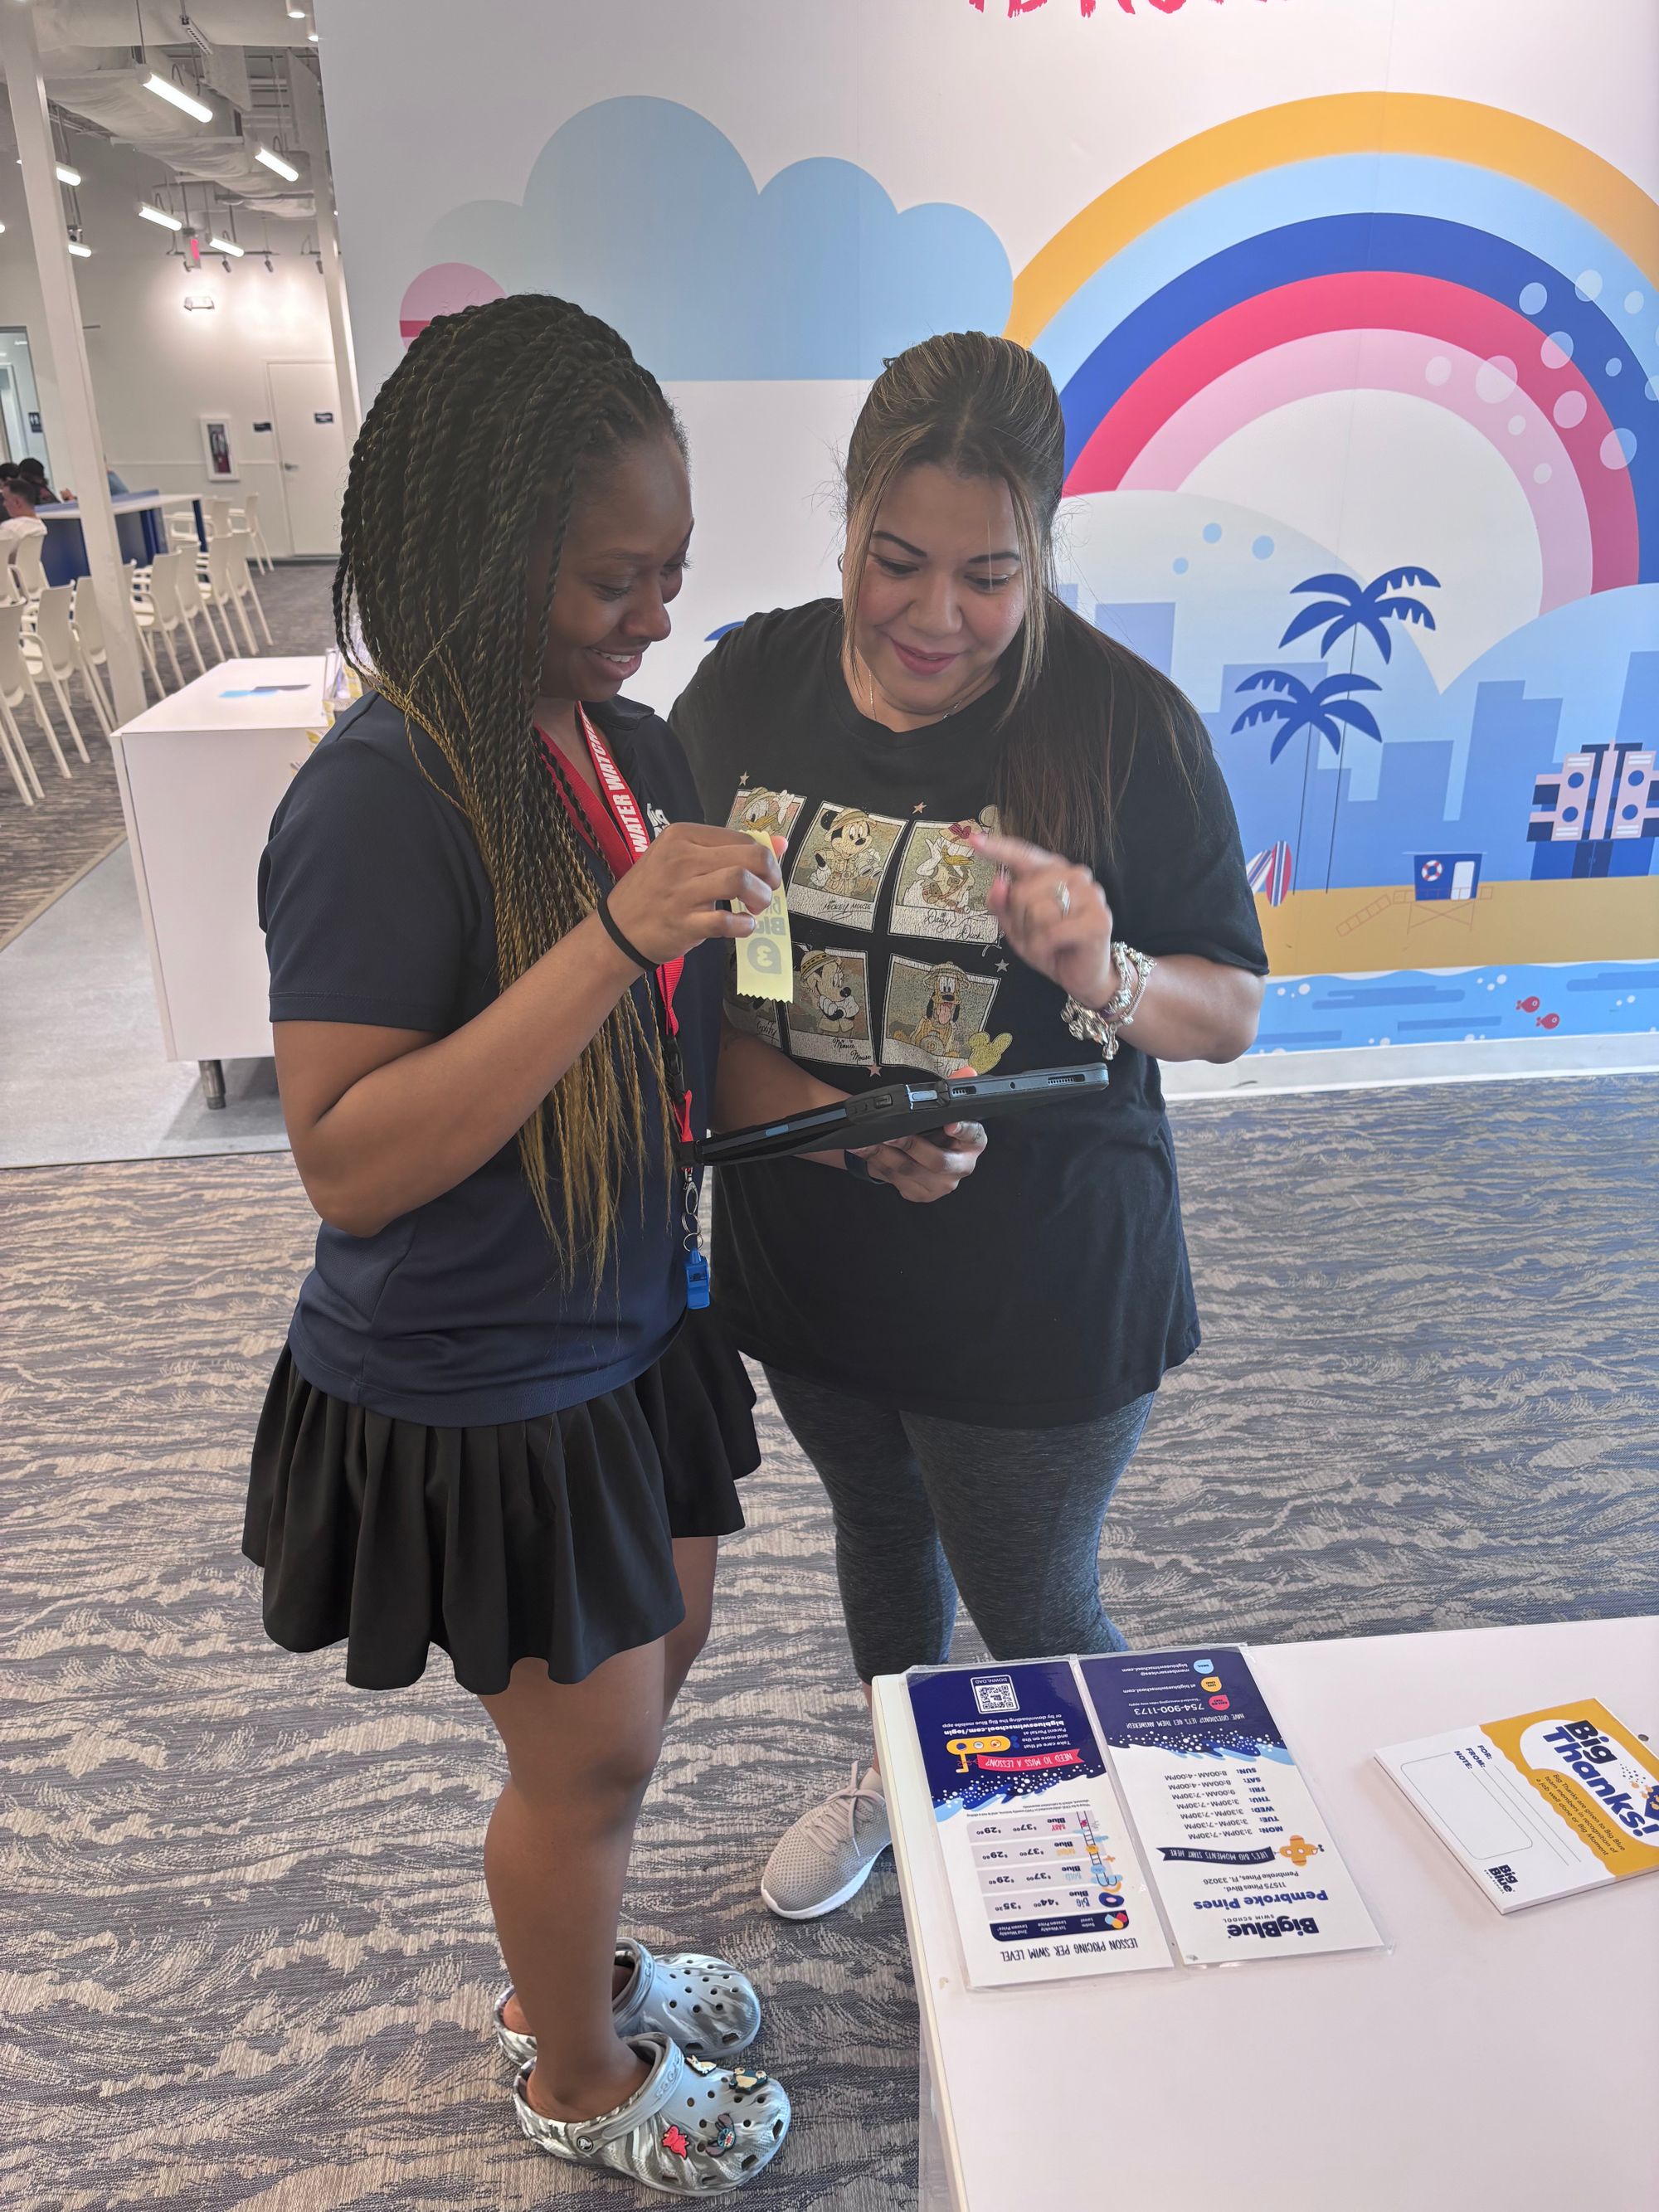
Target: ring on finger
<point x="1063" y="900"/>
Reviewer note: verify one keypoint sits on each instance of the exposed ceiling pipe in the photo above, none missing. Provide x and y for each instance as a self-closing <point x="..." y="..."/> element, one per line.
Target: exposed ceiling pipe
<point x="98" y="55"/>
<point x="169" y="22"/>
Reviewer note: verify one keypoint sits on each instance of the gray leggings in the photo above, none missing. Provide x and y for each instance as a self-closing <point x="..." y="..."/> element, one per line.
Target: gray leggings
<point x="925" y="1507"/>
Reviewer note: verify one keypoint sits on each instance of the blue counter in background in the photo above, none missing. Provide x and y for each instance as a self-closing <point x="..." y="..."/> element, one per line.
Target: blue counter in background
<point x="140" y="526"/>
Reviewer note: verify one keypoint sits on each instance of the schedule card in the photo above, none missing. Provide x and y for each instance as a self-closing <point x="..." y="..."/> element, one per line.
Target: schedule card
<point x="1045" y="1881"/>
<point x="1242" y="1860"/>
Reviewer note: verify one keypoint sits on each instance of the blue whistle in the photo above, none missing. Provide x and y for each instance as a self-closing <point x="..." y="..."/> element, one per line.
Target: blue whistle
<point x="696" y="1281"/>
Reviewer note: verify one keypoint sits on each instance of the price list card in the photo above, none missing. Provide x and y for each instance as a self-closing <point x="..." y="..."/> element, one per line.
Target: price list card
<point x="1043" y="1875"/>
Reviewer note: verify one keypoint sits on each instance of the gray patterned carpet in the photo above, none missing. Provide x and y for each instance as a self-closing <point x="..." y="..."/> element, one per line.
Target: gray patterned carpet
<point x="245" y="1956"/>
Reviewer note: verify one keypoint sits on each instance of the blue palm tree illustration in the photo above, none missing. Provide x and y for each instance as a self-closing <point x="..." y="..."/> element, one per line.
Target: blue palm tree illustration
<point x="1353" y="606"/>
<point x="1324" y="709"/>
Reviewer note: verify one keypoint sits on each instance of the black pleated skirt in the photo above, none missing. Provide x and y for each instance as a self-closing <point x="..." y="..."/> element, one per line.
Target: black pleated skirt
<point x="547" y="1539"/>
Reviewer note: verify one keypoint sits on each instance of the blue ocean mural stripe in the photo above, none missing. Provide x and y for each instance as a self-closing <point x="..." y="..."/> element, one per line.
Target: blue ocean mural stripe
<point x="1514" y="1001"/>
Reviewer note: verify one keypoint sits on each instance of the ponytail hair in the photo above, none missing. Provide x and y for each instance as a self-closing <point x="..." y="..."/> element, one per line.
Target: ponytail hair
<point x="984" y="407"/>
<point x="480" y="440"/>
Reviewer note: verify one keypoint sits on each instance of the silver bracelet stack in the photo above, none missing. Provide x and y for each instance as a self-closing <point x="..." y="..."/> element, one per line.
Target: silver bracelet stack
<point x="1100" y="1025"/>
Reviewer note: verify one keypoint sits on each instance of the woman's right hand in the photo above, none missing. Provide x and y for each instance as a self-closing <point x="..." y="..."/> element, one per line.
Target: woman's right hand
<point x="679" y="893"/>
<point x="925" y="1169"/>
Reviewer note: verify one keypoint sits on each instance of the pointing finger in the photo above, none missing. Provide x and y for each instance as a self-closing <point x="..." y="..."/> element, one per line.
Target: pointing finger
<point x="1014" y="853"/>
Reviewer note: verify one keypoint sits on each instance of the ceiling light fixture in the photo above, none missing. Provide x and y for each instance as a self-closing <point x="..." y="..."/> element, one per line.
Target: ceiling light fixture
<point x="226" y="245"/>
<point x="165" y="88"/>
<point x="66" y="175"/>
<point x="312" y="36"/>
<point x="275" y="161"/>
<point x="159" y="215"/>
<point x="83" y="252"/>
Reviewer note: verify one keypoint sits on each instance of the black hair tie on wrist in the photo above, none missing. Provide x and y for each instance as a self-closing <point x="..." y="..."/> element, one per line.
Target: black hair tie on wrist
<point x="633" y="952"/>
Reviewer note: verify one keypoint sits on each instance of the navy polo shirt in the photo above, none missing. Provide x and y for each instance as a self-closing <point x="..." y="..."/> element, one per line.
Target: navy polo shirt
<point x="376" y="909"/>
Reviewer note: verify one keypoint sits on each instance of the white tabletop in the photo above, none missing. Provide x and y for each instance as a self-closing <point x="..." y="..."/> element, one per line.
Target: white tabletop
<point x="124" y="502"/>
<point x="1486" y="2062"/>
<point x="282" y="692"/>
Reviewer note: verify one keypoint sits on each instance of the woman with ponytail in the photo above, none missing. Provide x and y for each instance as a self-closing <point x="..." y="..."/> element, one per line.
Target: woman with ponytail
<point x="502" y="1425"/>
<point x="1011" y="847"/>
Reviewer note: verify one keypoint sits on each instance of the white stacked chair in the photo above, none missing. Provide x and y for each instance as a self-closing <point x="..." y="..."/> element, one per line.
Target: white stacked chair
<point x="216" y="514"/>
<point x="246" y="516"/>
<point x="144" y="614"/>
<point x="177" y="622"/>
<point x="21" y="768"/>
<point x="221" y="593"/>
<point x="51" y="644"/>
<point x="192" y="602"/>
<point x="26" y="565"/>
<point x="182" y="536"/>
<point x="12" y="594"/>
<point x="86" y="628"/>
<point x="16" y="685"/>
<point x="18" y="763"/>
<point x="240" y="545"/>
<point x="164" y="617"/>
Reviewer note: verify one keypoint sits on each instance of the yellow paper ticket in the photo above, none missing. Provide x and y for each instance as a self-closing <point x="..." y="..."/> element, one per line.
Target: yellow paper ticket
<point x="766" y="961"/>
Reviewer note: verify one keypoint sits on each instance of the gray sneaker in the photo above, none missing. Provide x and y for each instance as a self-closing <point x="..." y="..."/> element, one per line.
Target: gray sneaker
<point x="691" y="2129"/>
<point x="830" y="1852"/>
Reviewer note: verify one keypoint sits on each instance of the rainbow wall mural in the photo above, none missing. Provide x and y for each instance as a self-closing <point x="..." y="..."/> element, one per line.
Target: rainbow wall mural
<point x="1425" y="854"/>
<point x="1390" y="237"/>
<point x="1362" y="397"/>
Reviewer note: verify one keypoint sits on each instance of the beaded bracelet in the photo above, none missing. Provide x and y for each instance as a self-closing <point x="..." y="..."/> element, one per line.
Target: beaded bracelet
<point x="1100" y="1025"/>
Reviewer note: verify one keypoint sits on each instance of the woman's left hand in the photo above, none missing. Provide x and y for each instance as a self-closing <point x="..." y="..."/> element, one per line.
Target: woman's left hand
<point x="1055" y="916"/>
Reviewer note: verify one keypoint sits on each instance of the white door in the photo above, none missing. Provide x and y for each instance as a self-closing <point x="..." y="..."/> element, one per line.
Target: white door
<point x="305" y="405"/>
<point x="1463" y="880"/>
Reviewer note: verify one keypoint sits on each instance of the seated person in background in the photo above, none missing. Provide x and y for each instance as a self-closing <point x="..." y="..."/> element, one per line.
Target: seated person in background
<point x="34" y="476"/>
<point x="17" y="498"/>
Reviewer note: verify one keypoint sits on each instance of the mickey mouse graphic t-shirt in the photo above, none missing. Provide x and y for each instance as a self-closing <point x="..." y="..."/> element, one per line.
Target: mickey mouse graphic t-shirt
<point x="1052" y="1287"/>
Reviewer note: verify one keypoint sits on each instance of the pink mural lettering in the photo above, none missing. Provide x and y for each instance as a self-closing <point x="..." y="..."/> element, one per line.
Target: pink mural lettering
<point x="1029" y="7"/>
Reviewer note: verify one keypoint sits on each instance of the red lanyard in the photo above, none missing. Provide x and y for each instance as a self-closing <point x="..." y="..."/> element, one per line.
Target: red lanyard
<point x="621" y="801"/>
<point x="615" y="821"/>
<point x="612" y="819"/>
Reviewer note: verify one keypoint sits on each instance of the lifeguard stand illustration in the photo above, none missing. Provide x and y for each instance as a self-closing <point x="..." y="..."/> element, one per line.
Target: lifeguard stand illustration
<point x="1597" y="814"/>
<point x="1446" y="875"/>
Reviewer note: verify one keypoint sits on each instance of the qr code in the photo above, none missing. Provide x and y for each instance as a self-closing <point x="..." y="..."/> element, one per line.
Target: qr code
<point x="1505" y="1876"/>
<point x="996" y="1695"/>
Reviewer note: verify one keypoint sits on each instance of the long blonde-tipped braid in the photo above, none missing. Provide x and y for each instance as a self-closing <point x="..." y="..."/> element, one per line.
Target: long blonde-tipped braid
<point x="491" y="420"/>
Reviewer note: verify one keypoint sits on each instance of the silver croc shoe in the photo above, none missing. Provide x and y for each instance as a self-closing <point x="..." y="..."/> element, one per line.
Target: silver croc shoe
<point x="703" y="2003"/>
<point x="692" y="2130"/>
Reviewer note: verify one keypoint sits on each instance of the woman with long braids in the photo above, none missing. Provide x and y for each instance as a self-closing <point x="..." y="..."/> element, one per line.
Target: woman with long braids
<point x="496" y="933"/>
<point x="1009" y="843"/>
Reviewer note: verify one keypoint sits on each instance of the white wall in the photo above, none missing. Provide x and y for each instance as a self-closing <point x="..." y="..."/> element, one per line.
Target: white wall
<point x="157" y="369"/>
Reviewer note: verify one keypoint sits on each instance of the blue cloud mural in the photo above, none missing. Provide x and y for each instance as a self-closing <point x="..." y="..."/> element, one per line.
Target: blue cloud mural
<point x="646" y="213"/>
